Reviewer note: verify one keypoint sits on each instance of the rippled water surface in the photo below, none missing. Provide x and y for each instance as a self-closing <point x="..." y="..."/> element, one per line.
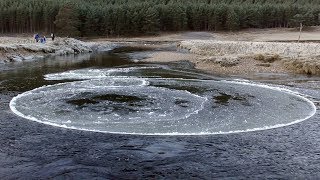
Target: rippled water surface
<point x="110" y="93"/>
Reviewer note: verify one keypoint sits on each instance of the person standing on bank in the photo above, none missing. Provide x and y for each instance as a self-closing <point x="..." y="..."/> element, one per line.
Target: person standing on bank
<point x="52" y="36"/>
<point x="37" y="37"/>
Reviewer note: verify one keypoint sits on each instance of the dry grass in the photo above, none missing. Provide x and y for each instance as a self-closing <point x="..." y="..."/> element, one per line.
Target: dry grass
<point x="220" y="48"/>
<point x="267" y="58"/>
<point x="309" y="65"/>
<point x="264" y="64"/>
<point x="297" y="57"/>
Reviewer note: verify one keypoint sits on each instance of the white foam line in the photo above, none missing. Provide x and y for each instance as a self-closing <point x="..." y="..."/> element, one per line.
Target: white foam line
<point x="92" y="73"/>
<point x="13" y="103"/>
<point x="144" y="82"/>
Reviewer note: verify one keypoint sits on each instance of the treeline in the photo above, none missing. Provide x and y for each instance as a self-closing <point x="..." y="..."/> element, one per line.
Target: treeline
<point x="136" y="17"/>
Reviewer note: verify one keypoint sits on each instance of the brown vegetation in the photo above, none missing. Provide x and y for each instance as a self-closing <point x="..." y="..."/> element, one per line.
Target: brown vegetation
<point x="309" y="65"/>
<point x="296" y="57"/>
<point x="267" y="58"/>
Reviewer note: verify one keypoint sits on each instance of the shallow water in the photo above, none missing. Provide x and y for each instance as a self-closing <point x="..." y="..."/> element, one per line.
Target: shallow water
<point x="31" y="149"/>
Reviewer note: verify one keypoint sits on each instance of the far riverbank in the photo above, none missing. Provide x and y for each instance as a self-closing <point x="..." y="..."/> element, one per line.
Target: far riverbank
<point x="240" y="53"/>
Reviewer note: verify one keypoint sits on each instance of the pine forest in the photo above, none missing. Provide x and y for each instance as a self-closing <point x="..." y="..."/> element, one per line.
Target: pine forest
<point x="137" y="17"/>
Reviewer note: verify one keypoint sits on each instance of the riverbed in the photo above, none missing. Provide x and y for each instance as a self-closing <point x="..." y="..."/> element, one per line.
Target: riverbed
<point x="38" y="150"/>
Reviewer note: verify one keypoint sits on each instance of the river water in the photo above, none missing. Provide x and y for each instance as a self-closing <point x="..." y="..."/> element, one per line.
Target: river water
<point x="108" y="115"/>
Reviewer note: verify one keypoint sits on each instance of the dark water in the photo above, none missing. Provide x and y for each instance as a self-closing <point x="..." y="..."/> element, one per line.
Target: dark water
<point x="30" y="150"/>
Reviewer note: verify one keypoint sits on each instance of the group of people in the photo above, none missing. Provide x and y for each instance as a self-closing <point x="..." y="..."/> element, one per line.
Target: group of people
<point x="43" y="39"/>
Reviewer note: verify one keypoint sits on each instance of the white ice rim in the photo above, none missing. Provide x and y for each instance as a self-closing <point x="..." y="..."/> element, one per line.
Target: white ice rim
<point x="242" y="82"/>
<point x="104" y="73"/>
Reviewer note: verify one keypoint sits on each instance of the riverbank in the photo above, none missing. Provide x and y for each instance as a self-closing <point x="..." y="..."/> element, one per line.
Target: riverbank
<point x="247" y="52"/>
<point x="250" y="57"/>
<point x="241" y="53"/>
<point x="16" y="49"/>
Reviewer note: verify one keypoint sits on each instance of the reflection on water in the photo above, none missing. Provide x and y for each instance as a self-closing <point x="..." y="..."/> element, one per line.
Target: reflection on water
<point x="24" y="76"/>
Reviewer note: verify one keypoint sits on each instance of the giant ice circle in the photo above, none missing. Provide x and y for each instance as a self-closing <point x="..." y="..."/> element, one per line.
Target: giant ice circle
<point x="159" y="106"/>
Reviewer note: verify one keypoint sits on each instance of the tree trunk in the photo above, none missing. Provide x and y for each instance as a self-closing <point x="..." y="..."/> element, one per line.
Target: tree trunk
<point x="300" y="31"/>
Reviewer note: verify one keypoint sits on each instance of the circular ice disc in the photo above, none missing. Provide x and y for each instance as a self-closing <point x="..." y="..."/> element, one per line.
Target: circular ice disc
<point x="162" y="106"/>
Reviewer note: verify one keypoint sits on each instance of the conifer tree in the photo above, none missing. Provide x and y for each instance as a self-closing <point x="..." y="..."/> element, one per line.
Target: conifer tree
<point x="232" y="22"/>
<point x="150" y="21"/>
<point x="67" y="21"/>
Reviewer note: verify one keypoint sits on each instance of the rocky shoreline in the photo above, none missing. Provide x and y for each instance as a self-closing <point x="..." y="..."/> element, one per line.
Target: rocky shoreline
<point x="17" y="52"/>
